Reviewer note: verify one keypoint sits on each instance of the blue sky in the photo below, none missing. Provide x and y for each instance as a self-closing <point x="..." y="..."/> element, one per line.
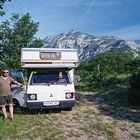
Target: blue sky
<point x="119" y="18"/>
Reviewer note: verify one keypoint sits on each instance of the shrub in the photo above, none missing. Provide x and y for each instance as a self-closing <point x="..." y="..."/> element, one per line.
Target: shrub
<point x="134" y="94"/>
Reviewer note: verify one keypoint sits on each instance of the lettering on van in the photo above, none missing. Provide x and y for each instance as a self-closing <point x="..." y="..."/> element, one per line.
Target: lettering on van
<point x="50" y="55"/>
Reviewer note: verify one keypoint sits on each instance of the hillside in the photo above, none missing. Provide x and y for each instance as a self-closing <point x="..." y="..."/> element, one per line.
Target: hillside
<point x="88" y="45"/>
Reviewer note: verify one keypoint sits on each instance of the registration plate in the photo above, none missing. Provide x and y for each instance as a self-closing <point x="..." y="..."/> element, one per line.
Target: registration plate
<point x="50" y="103"/>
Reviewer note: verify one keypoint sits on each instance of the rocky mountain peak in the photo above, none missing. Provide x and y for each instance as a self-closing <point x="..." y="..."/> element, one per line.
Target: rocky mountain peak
<point x="88" y="45"/>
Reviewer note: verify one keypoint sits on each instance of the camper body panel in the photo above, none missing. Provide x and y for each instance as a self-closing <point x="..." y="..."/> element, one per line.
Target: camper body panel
<point x="49" y="58"/>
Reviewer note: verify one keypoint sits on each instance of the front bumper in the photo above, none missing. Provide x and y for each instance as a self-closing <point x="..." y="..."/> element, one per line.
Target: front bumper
<point x="62" y="105"/>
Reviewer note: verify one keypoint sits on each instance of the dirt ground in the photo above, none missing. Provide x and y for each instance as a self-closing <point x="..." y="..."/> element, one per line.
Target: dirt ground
<point x="94" y="118"/>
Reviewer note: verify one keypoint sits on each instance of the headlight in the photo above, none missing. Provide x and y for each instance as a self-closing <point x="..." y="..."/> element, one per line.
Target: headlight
<point x="31" y="96"/>
<point x="69" y="95"/>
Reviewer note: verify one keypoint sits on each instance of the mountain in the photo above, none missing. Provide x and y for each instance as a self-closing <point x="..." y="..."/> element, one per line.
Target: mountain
<point x="88" y="45"/>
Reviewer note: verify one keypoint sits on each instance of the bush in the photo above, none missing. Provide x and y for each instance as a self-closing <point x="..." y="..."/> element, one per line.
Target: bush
<point x="135" y="81"/>
<point x="134" y="94"/>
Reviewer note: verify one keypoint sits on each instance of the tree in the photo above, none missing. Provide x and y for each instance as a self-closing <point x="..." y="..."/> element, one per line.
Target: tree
<point x="105" y="67"/>
<point x="15" y="34"/>
<point x="1" y="6"/>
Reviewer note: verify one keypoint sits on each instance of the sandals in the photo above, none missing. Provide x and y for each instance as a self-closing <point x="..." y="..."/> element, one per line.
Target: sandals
<point x="12" y="119"/>
<point x="4" y="118"/>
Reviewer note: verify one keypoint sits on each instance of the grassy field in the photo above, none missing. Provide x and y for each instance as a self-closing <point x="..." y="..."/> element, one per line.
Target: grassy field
<point x="103" y="116"/>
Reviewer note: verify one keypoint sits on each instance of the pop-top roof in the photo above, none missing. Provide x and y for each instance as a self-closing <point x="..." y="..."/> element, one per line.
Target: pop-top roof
<point x="48" y="58"/>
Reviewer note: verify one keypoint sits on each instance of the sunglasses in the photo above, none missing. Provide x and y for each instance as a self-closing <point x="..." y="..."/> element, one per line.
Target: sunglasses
<point x="5" y="72"/>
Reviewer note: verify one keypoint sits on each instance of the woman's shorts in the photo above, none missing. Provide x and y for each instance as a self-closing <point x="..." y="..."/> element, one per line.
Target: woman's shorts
<point x="6" y="100"/>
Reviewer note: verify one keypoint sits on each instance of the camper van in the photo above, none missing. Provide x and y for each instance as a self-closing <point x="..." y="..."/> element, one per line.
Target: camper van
<point x="50" y="78"/>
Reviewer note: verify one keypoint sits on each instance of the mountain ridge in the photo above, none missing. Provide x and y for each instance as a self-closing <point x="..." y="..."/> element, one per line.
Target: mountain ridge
<point x="89" y="45"/>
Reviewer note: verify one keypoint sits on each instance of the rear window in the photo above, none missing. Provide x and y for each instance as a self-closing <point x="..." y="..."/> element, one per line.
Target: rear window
<point x="18" y="76"/>
<point x="50" y="77"/>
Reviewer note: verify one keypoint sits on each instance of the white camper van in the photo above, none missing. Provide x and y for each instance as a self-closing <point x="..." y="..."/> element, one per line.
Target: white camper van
<point x="50" y="74"/>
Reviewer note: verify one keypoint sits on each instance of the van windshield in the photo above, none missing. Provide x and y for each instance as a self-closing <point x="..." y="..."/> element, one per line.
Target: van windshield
<point x="49" y="77"/>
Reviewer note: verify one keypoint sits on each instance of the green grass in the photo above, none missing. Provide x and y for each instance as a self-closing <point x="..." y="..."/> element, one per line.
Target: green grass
<point x="87" y="120"/>
<point x="30" y="126"/>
